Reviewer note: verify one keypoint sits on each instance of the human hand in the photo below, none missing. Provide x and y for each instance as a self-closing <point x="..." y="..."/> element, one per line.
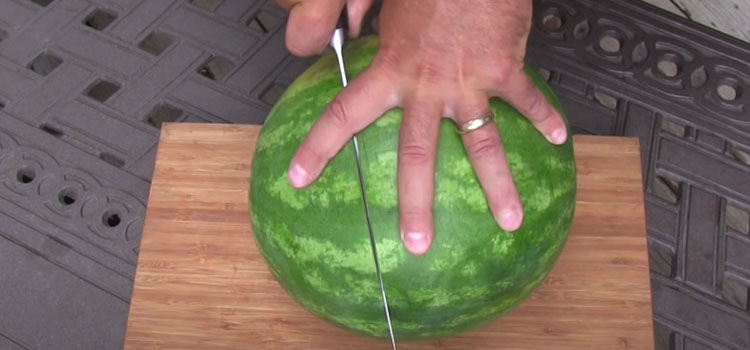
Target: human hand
<point x="438" y="59"/>
<point x="312" y="22"/>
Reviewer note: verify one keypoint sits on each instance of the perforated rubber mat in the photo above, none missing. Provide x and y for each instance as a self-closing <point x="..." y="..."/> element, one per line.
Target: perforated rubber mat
<point x="85" y="85"/>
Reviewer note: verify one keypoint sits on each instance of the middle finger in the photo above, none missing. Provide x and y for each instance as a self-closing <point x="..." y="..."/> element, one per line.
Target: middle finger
<point x="418" y="139"/>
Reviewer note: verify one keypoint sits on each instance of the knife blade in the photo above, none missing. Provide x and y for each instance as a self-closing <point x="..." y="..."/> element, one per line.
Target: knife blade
<point x="337" y="43"/>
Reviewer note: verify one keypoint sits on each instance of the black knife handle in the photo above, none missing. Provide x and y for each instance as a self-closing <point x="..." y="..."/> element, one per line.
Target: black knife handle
<point x="343" y="20"/>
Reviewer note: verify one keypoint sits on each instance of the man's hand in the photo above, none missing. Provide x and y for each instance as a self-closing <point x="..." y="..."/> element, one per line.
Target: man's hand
<point x="312" y="22"/>
<point x="437" y="58"/>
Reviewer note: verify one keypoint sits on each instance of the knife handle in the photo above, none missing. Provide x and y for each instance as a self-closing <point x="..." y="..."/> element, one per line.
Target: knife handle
<point x="343" y="20"/>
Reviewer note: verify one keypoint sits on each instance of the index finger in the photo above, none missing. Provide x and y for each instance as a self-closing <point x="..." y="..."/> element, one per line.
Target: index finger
<point x="365" y="99"/>
<point x="311" y="24"/>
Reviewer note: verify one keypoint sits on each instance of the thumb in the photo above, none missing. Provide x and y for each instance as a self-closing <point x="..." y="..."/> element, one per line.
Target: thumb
<point x="311" y="24"/>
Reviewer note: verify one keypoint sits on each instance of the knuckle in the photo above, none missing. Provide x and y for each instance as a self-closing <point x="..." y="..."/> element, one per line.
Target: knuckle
<point x="429" y="67"/>
<point x="504" y="73"/>
<point x="476" y="111"/>
<point x="387" y="64"/>
<point x="536" y="105"/>
<point x="414" y="153"/>
<point x="296" y="48"/>
<point x="314" y="155"/>
<point x="301" y="46"/>
<point x="386" y="60"/>
<point x="301" y="40"/>
<point x="415" y="213"/>
<point x="430" y="73"/>
<point x="507" y="71"/>
<point x="338" y="115"/>
<point x="483" y="147"/>
<point x="383" y="72"/>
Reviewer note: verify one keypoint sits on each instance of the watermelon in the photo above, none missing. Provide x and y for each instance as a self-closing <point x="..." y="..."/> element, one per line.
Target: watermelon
<point x="316" y="241"/>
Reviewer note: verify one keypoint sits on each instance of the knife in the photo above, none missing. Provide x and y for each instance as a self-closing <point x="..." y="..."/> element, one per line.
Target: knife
<point x="337" y="43"/>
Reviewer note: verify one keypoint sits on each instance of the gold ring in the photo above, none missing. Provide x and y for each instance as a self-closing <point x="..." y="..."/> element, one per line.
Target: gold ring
<point x="474" y="124"/>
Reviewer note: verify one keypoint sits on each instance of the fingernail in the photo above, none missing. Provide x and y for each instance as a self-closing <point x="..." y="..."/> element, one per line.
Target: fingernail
<point x="416" y="242"/>
<point x="297" y="176"/>
<point x="509" y="220"/>
<point x="558" y="136"/>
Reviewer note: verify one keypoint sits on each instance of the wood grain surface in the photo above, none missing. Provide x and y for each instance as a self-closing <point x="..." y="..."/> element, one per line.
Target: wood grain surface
<point x="727" y="16"/>
<point x="201" y="283"/>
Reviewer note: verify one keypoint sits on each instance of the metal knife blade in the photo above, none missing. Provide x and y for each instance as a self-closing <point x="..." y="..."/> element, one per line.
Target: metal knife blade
<point x="337" y="43"/>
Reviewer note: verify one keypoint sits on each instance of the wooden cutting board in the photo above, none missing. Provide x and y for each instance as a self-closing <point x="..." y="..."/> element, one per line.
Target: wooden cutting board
<point x="202" y="284"/>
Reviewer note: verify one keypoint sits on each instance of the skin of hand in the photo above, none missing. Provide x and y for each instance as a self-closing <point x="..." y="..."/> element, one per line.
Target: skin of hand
<point x="436" y="58"/>
<point x="311" y="22"/>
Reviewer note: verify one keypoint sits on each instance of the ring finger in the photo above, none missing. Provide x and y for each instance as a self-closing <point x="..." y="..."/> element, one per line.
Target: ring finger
<point x="487" y="155"/>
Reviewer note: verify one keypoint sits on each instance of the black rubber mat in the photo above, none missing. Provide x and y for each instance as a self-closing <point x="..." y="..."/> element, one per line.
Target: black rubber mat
<point x="625" y="68"/>
<point x="85" y="85"/>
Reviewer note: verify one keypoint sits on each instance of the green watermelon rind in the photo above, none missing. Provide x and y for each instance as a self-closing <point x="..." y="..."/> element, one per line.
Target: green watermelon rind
<point x="316" y="241"/>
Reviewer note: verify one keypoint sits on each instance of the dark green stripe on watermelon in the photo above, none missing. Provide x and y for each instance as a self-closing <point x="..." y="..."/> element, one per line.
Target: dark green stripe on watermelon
<point x="316" y="240"/>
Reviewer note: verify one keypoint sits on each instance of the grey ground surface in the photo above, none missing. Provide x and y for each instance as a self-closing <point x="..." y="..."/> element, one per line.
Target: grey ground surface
<point x="85" y="84"/>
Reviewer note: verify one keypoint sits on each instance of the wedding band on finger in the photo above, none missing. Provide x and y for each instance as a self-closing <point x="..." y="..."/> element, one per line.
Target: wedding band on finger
<point x="476" y="123"/>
